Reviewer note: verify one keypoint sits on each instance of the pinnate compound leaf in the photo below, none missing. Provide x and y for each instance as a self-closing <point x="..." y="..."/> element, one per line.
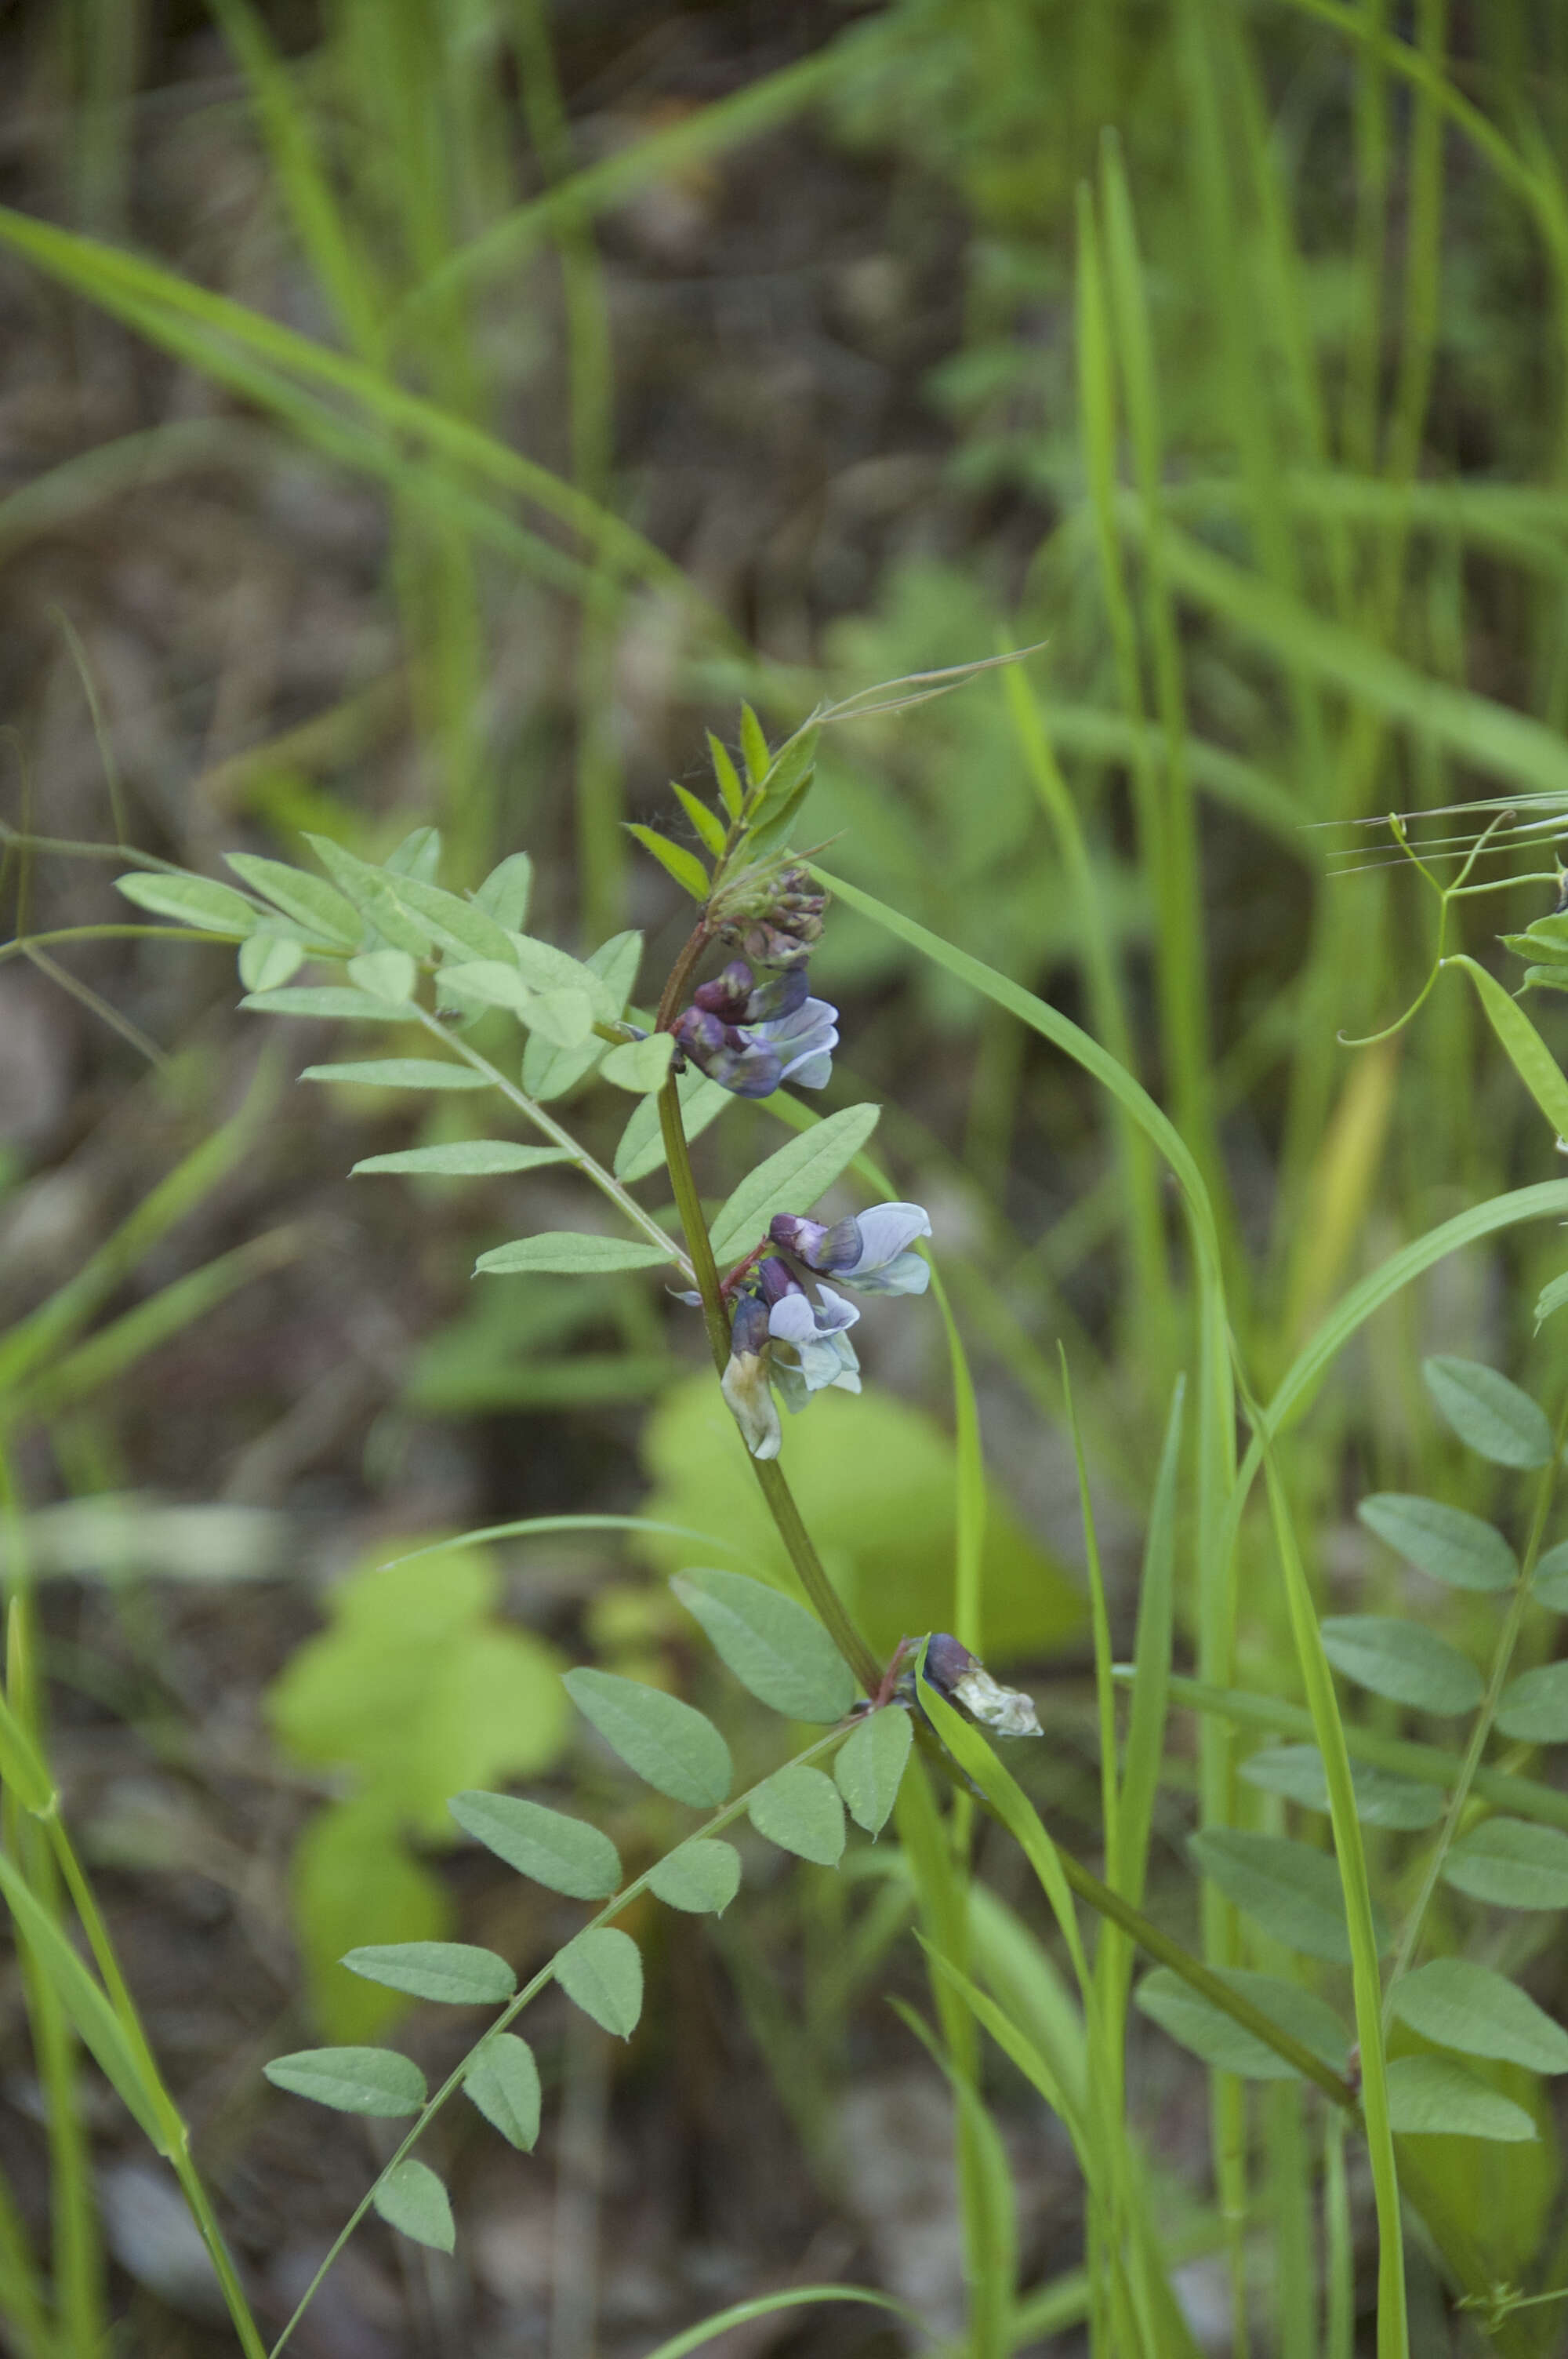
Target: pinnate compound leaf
<point x="1431" y="2097"/>
<point x="674" y="858"/>
<point x="870" y="1763"/>
<point x="1292" y="1891"/>
<point x="1456" y="2002"/>
<point x="502" y="2081"/>
<point x="1534" y="1707"/>
<point x="191" y="901"/>
<point x="339" y="1001"/>
<point x="352" y="2080"/>
<point x="640" y="1065"/>
<point x="411" y="2200"/>
<point x="564" y="1252"/>
<point x="792" y="1179"/>
<point x="1549" y="1585"/>
<point x="1404" y="1660"/>
<point x="466" y="1158"/>
<point x="669" y="1744"/>
<point x="456" y="1973"/>
<point x="799" y="1809"/>
<point x="319" y="908"/>
<point x="399" y="1073"/>
<point x="1382" y="1798"/>
<point x="602" y="1972"/>
<point x="1221" y="2042"/>
<point x="566" y="1854"/>
<point x="1443" y="1542"/>
<point x="1511" y="1863"/>
<point x="703" y="1876"/>
<point x="1489" y="1412"/>
<point x="777" y="1651"/>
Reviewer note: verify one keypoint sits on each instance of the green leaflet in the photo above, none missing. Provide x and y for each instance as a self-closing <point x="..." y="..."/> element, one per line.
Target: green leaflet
<point x="1444" y="1542"/>
<point x="1511" y="1863"/>
<point x="799" y="1809"/>
<point x="191" y="901"/>
<point x="869" y="1767"/>
<point x="570" y="1855"/>
<point x="1404" y="1660"/>
<point x="1221" y="2042"/>
<point x="411" y="2200"/>
<point x="702" y="1877"/>
<point x="564" y="1253"/>
<point x="352" y="2080"/>
<point x="602" y="1972"/>
<point x="775" y="1647"/>
<point x="502" y="2081"/>
<point x="1429" y="2097"/>
<point x="1457" y="2003"/>
<point x="455" y="1973"/>
<point x="1489" y="1412"/>
<point x="669" y="1744"/>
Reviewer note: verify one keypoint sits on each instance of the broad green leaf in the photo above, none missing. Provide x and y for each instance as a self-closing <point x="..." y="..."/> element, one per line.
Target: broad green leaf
<point x="753" y="747"/>
<point x="337" y="1000"/>
<point x="1429" y="2097"/>
<point x="399" y="1073"/>
<point x="463" y="929"/>
<point x="1456" y="2002"/>
<point x="467" y="1158"/>
<point x="390" y="976"/>
<point x="1221" y="2042"/>
<point x="316" y="906"/>
<point x="456" y="1973"/>
<point x="1290" y="1890"/>
<point x="1489" y="1412"/>
<point x="800" y="1811"/>
<point x="268" y="958"/>
<point x="503" y="895"/>
<point x="1534" y="1707"/>
<point x="1510" y="1863"/>
<point x="1404" y="1660"/>
<point x="869" y="1767"/>
<point x="567" y="1854"/>
<point x="667" y="1743"/>
<point x="373" y="892"/>
<point x="191" y="901"/>
<point x="1382" y="1798"/>
<point x="708" y="825"/>
<point x="773" y="1645"/>
<point x="642" y="1147"/>
<point x="674" y="858"/>
<point x="502" y="2081"/>
<point x="640" y="1065"/>
<point x="703" y="1876"/>
<point x="563" y="1253"/>
<point x="548" y="1072"/>
<point x="1444" y="1542"/>
<point x="353" y="2079"/>
<point x="792" y="1179"/>
<point x="1549" y="1585"/>
<point x="602" y="1972"/>
<point x="411" y="2200"/>
<point x="724" y="771"/>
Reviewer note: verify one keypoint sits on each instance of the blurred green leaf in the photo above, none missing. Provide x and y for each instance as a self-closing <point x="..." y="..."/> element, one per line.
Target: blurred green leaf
<point x="702" y="1876"/>
<point x="1459" y="2004"/>
<point x="869" y="1767"/>
<point x="1221" y="2042"/>
<point x="666" y="1741"/>
<point x="799" y="1809"/>
<point x="1404" y="1660"/>
<point x="502" y="2081"/>
<point x="570" y="1855"/>
<point x="1511" y="1863"/>
<point x="1429" y="2096"/>
<point x="352" y="2080"/>
<point x="191" y="901"/>
<point x="602" y="1972"/>
<point x="1489" y="1412"/>
<point x="775" y="1647"/>
<point x="411" y="2200"/>
<point x="790" y="1179"/>
<point x="454" y="1972"/>
<point x="1444" y="1542"/>
<point x="565" y="1253"/>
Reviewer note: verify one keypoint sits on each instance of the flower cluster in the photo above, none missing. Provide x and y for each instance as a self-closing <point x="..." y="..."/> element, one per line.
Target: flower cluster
<point x="753" y="1037"/>
<point x="790" y="1331"/>
<point x="749" y="1034"/>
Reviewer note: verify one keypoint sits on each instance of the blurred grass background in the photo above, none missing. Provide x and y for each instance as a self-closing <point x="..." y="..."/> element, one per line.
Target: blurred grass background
<point x="439" y="411"/>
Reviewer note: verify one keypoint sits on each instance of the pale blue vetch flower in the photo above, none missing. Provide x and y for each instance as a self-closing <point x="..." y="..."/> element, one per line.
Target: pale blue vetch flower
<point x="754" y="1059"/>
<point x="812" y="1350"/>
<point x="870" y="1251"/>
<point x="745" y="1383"/>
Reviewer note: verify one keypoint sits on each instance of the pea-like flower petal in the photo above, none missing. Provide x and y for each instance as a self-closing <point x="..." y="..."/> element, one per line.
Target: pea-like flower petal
<point x="870" y="1251"/>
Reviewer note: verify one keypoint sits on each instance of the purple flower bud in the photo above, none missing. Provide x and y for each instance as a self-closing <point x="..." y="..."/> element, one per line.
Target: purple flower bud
<point x="964" y="1680"/>
<point x="727" y="995"/>
<point x="736" y="1059"/>
<point x="947" y="1662"/>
